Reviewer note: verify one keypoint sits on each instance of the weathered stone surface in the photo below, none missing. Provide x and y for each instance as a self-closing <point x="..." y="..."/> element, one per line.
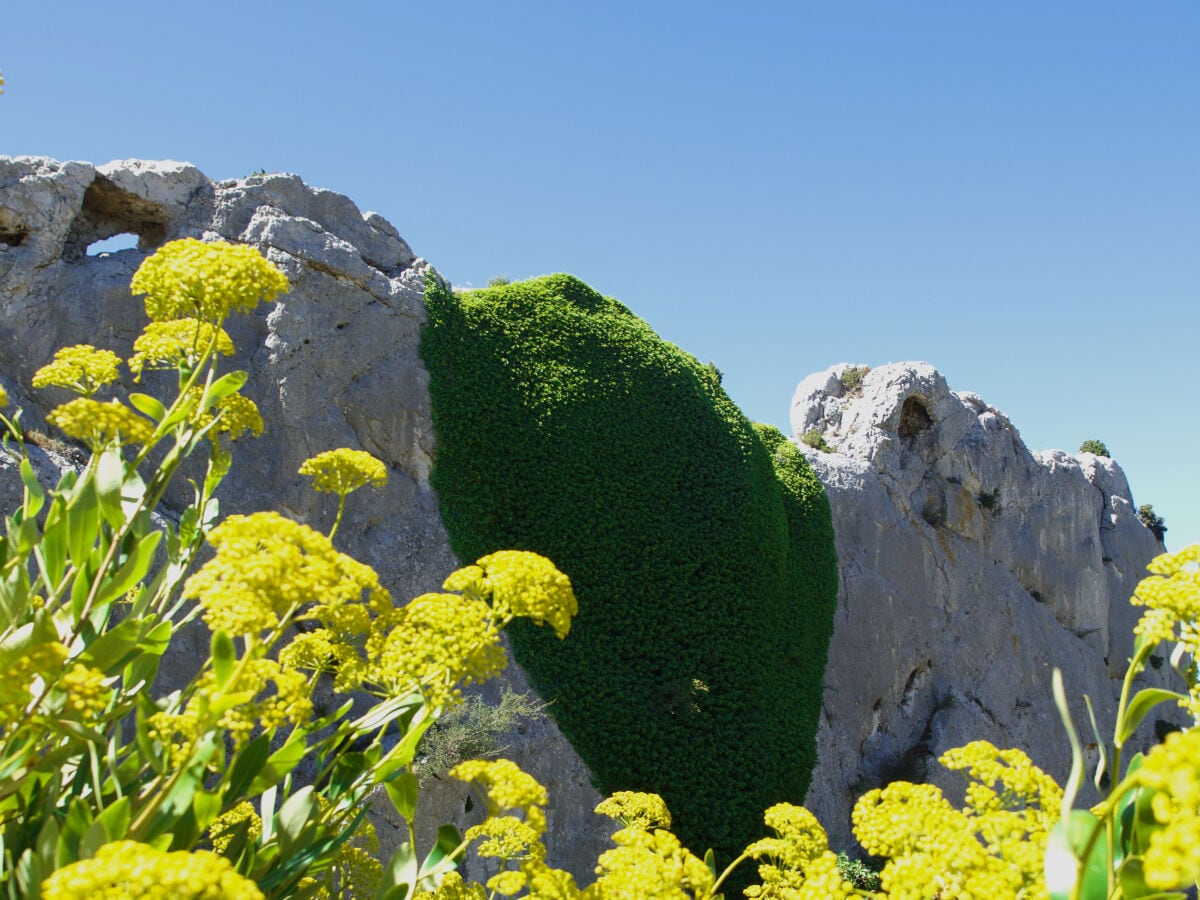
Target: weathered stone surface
<point x="333" y="364"/>
<point x="970" y="569"/>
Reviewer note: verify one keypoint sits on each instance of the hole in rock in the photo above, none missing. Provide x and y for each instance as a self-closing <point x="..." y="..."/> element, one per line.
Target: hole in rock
<point x="914" y="418"/>
<point x="123" y="241"/>
<point x="12" y="238"/>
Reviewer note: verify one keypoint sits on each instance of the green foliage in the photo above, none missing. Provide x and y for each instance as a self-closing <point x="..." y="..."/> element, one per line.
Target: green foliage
<point x="1153" y="521"/>
<point x="473" y="731"/>
<point x="498" y="281"/>
<point x="858" y="873"/>
<point x="851" y="379"/>
<point x="813" y="438"/>
<point x="1092" y="446"/>
<point x="704" y="567"/>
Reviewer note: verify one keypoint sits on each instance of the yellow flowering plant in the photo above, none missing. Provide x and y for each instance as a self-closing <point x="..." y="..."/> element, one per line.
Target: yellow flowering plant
<point x="109" y="787"/>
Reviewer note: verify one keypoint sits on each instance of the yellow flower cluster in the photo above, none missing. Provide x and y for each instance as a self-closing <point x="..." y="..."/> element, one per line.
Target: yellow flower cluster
<point x="505" y="785"/>
<point x="192" y="279"/>
<point x="290" y="703"/>
<point x="343" y="471"/>
<point x="797" y="863"/>
<point x="86" y="692"/>
<point x="267" y="566"/>
<point x="650" y="863"/>
<point x="167" y="344"/>
<point x="1171" y="596"/>
<point x="520" y="584"/>
<point x="436" y="643"/>
<point x="454" y="888"/>
<point x="1172" y="770"/>
<point x="177" y="733"/>
<point x="992" y="848"/>
<point x="221" y="831"/>
<point x="99" y="424"/>
<point x="3" y="397"/>
<point x="81" y="368"/>
<point x="238" y="415"/>
<point x="635" y="808"/>
<point x="22" y="668"/>
<point x="133" y="871"/>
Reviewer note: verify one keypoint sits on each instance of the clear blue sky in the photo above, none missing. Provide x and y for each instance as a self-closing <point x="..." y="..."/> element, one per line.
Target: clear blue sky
<point x="1009" y="191"/>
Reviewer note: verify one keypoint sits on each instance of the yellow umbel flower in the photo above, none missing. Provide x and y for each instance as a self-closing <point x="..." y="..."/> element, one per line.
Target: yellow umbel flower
<point x="1172" y="769"/>
<point x="267" y="566"/>
<point x="220" y="832"/>
<point x="130" y="870"/>
<point x="506" y="786"/>
<point x="506" y="838"/>
<point x="343" y="471"/>
<point x="454" y="888"/>
<point x="238" y="415"/>
<point x="518" y="583"/>
<point x="98" y="424"/>
<point x="650" y="864"/>
<point x="436" y="643"/>
<point x="3" y="397"/>
<point x="81" y="368"/>
<point x="192" y="279"/>
<point x="85" y="692"/>
<point x="25" y="671"/>
<point x="167" y="344"/>
<point x="636" y="809"/>
<point x="1172" y="597"/>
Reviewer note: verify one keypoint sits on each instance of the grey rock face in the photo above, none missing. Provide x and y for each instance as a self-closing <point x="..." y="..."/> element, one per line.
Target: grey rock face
<point x="335" y="363"/>
<point x="970" y="569"/>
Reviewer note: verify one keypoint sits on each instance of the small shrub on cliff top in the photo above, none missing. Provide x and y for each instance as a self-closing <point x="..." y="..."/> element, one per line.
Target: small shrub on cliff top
<point x="1153" y="521"/>
<point x="1096" y="447"/>
<point x="852" y="377"/>
<point x="813" y="438"/>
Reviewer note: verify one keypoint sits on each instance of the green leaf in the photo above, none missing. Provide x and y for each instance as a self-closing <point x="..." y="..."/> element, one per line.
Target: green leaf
<point x="399" y="875"/>
<point x="403" y="792"/>
<point x="1063" y="851"/>
<point x="247" y="765"/>
<point x="1143" y="701"/>
<point x="280" y="764"/>
<point x="224" y="655"/>
<point x="439" y="859"/>
<point x="133" y="570"/>
<point x="83" y="521"/>
<point x="35" y="495"/>
<point x="294" y="822"/>
<point x="115" y="819"/>
<point x="149" y="406"/>
<point x="110" y="477"/>
<point x="223" y="387"/>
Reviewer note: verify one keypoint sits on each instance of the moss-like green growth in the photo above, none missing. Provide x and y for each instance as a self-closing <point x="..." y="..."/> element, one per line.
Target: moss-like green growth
<point x="701" y="553"/>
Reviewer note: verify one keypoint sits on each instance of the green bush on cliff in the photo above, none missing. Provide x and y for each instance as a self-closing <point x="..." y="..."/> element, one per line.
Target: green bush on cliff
<point x="703" y="561"/>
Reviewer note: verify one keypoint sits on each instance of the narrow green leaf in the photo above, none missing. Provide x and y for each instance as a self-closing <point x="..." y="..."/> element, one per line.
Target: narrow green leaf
<point x="83" y="521"/>
<point x="110" y="476"/>
<point x="1143" y="701"/>
<point x="224" y="655"/>
<point x="35" y="494"/>
<point x="246" y="767"/>
<point x="133" y="570"/>
<point x="279" y="764"/>
<point x="148" y="406"/>
<point x="223" y="387"/>
<point x="294" y="821"/>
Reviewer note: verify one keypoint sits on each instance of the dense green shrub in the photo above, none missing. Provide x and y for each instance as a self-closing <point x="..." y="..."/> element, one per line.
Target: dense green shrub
<point x="1153" y="521"/>
<point x="705" y="574"/>
<point x="1096" y="447"/>
<point x="852" y="377"/>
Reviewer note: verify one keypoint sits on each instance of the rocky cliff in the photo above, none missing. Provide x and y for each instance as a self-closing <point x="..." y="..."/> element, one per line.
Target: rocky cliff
<point x="969" y="566"/>
<point x="970" y="569"/>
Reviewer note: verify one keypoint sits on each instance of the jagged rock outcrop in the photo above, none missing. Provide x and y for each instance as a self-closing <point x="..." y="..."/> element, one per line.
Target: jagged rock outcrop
<point x="970" y="569"/>
<point x="335" y="363"/>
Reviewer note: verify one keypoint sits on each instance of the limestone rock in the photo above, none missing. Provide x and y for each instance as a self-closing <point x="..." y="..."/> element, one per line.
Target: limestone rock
<point x="335" y="363"/>
<point x="970" y="569"/>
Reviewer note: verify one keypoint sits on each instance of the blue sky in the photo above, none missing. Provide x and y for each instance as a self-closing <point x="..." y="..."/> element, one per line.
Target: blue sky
<point x="1009" y="191"/>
